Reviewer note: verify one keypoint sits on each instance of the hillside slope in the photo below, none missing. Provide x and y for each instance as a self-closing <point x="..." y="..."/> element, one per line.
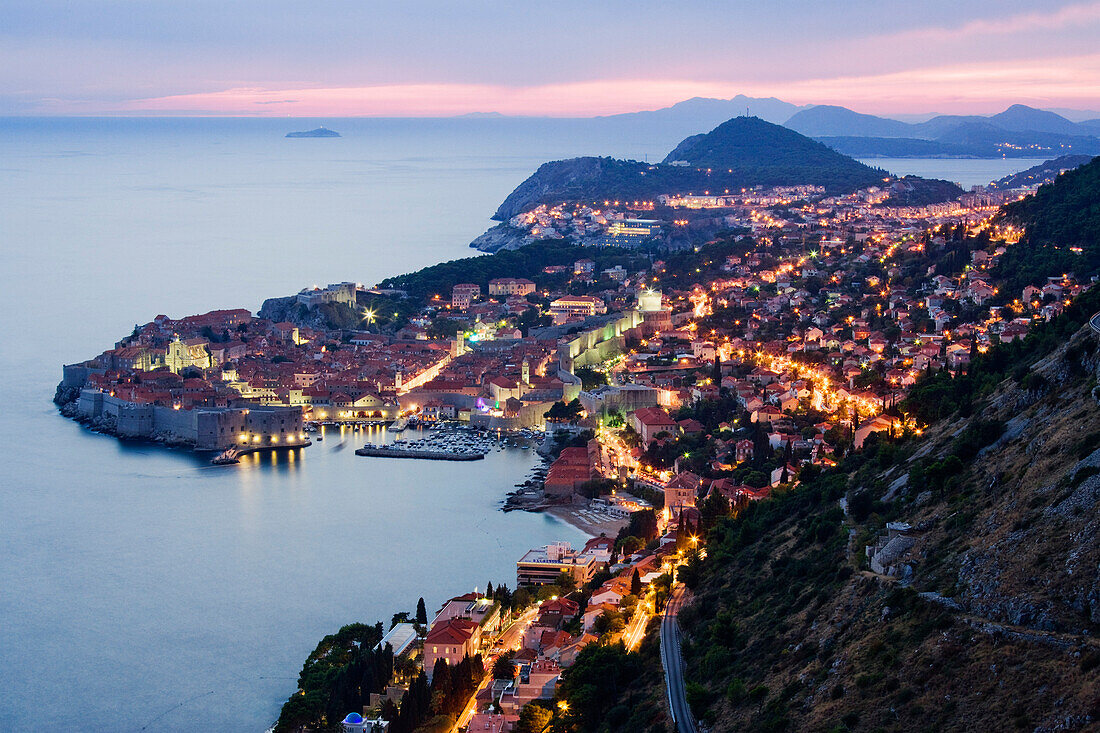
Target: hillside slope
<point x="1045" y="172"/>
<point x="995" y="621"/>
<point x="1062" y="222"/>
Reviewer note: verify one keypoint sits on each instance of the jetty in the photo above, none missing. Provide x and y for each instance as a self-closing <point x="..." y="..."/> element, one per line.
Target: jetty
<point x="230" y="456"/>
<point x="385" y="451"/>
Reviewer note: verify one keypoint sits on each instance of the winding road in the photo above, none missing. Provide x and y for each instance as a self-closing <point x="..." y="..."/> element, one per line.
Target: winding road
<point x="1094" y="323"/>
<point x="673" y="662"/>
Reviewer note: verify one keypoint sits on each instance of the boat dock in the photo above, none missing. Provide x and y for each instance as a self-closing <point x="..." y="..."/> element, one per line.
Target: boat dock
<point x="432" y="455"/>
<point x="231" y="456"/>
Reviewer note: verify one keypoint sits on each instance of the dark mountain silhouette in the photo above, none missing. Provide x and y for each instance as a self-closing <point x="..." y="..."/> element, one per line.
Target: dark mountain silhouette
<point x="706" y="112"/>
<point x="826" y="120"/>
<point x="1019" y="131"/>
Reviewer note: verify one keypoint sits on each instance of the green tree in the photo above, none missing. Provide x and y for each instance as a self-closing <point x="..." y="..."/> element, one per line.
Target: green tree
<point x="635" y="583"/>
<point x="595" y="681"/>
<point x="561" y="412"/>
<point x="534" y="718"/>
<point x="608" y="622"/>
<point x="629" y="545"/>
<point x="504" y="668"/>
<point x="590" y="378"/>
<point x="421" y="613"/>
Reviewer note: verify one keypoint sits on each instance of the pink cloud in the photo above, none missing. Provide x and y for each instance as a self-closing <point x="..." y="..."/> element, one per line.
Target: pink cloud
<point x="1083" y="14"/>
<point x="978" y="87"/>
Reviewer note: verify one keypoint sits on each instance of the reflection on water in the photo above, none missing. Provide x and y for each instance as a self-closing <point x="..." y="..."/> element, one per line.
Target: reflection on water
<point x="121" y="554"/>
<point x="280" y="460"/>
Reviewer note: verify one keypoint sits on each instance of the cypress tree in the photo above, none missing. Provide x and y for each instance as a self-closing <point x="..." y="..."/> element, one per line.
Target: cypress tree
<point x="421" y="613"/>
<point x="635" y="584"/>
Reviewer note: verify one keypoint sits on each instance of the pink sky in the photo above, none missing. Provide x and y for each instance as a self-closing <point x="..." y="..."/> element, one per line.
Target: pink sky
<point x="969" y="88"/>
<point x="568" y="58"/>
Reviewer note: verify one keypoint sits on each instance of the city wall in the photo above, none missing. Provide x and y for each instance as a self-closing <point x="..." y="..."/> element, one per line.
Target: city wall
<point x="204" y="428"/>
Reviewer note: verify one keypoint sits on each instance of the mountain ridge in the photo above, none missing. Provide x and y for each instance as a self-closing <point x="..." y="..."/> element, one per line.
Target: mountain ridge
<point x="701" y="109"/>
<point x="1017" y="131"/>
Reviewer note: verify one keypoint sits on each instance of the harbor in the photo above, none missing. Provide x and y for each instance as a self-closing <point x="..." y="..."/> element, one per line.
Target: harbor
<point x="450" y="443"/>
<point x="389" y="451"/>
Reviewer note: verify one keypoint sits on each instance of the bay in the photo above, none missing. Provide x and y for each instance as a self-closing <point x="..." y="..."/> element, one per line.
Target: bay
<point x="966" y="172"/>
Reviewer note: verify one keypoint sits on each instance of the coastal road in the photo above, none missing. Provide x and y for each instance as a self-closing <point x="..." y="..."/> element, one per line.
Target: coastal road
<point x="635" y="630"/>
<point x="673" y="663"/>
<point x="1094" y="323"/>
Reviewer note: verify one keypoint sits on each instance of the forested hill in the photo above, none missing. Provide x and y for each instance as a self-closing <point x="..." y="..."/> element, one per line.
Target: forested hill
<point x="741" y="152"/>
<point x="1062" y="224"/>
<point x="1045" y="172"/>
<point x="989" y="618"/>
<point x="750" y="142"/>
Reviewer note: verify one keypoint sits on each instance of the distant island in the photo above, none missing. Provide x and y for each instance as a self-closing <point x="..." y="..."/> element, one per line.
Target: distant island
<point x="319" y="132"/>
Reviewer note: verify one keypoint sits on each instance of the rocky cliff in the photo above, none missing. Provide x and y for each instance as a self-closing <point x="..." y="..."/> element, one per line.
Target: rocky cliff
<point x="324" y="316"/>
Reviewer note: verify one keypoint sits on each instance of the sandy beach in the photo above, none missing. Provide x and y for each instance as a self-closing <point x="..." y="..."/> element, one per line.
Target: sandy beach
<point x="590" y="522"/>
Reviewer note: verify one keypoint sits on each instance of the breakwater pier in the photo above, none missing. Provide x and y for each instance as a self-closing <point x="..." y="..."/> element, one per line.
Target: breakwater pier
<point x="386" y="451"/>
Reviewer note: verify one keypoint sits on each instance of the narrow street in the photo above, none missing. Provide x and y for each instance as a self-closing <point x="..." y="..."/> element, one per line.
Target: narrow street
<point x="509" y="639"/>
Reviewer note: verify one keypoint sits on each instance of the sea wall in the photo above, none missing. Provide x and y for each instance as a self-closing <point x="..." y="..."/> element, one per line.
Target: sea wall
<point x="204" y="428"/>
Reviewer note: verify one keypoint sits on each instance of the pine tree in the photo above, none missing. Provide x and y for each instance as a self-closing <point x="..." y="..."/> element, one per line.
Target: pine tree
<point x="489" y="590"/>
<point x="421" y="613"/>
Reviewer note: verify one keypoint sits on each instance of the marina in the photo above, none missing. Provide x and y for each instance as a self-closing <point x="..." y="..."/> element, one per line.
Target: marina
<point x="451" y="443"/>
<point x="386" y="451"/>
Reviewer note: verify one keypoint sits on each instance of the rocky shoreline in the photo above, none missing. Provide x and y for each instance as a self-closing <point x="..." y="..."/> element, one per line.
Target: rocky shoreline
<point x="501" y="237"/>
<point x="66" y="397"/>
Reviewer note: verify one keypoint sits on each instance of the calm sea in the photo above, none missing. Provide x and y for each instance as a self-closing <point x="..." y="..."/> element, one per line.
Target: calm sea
<point x="143" y="589"/>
